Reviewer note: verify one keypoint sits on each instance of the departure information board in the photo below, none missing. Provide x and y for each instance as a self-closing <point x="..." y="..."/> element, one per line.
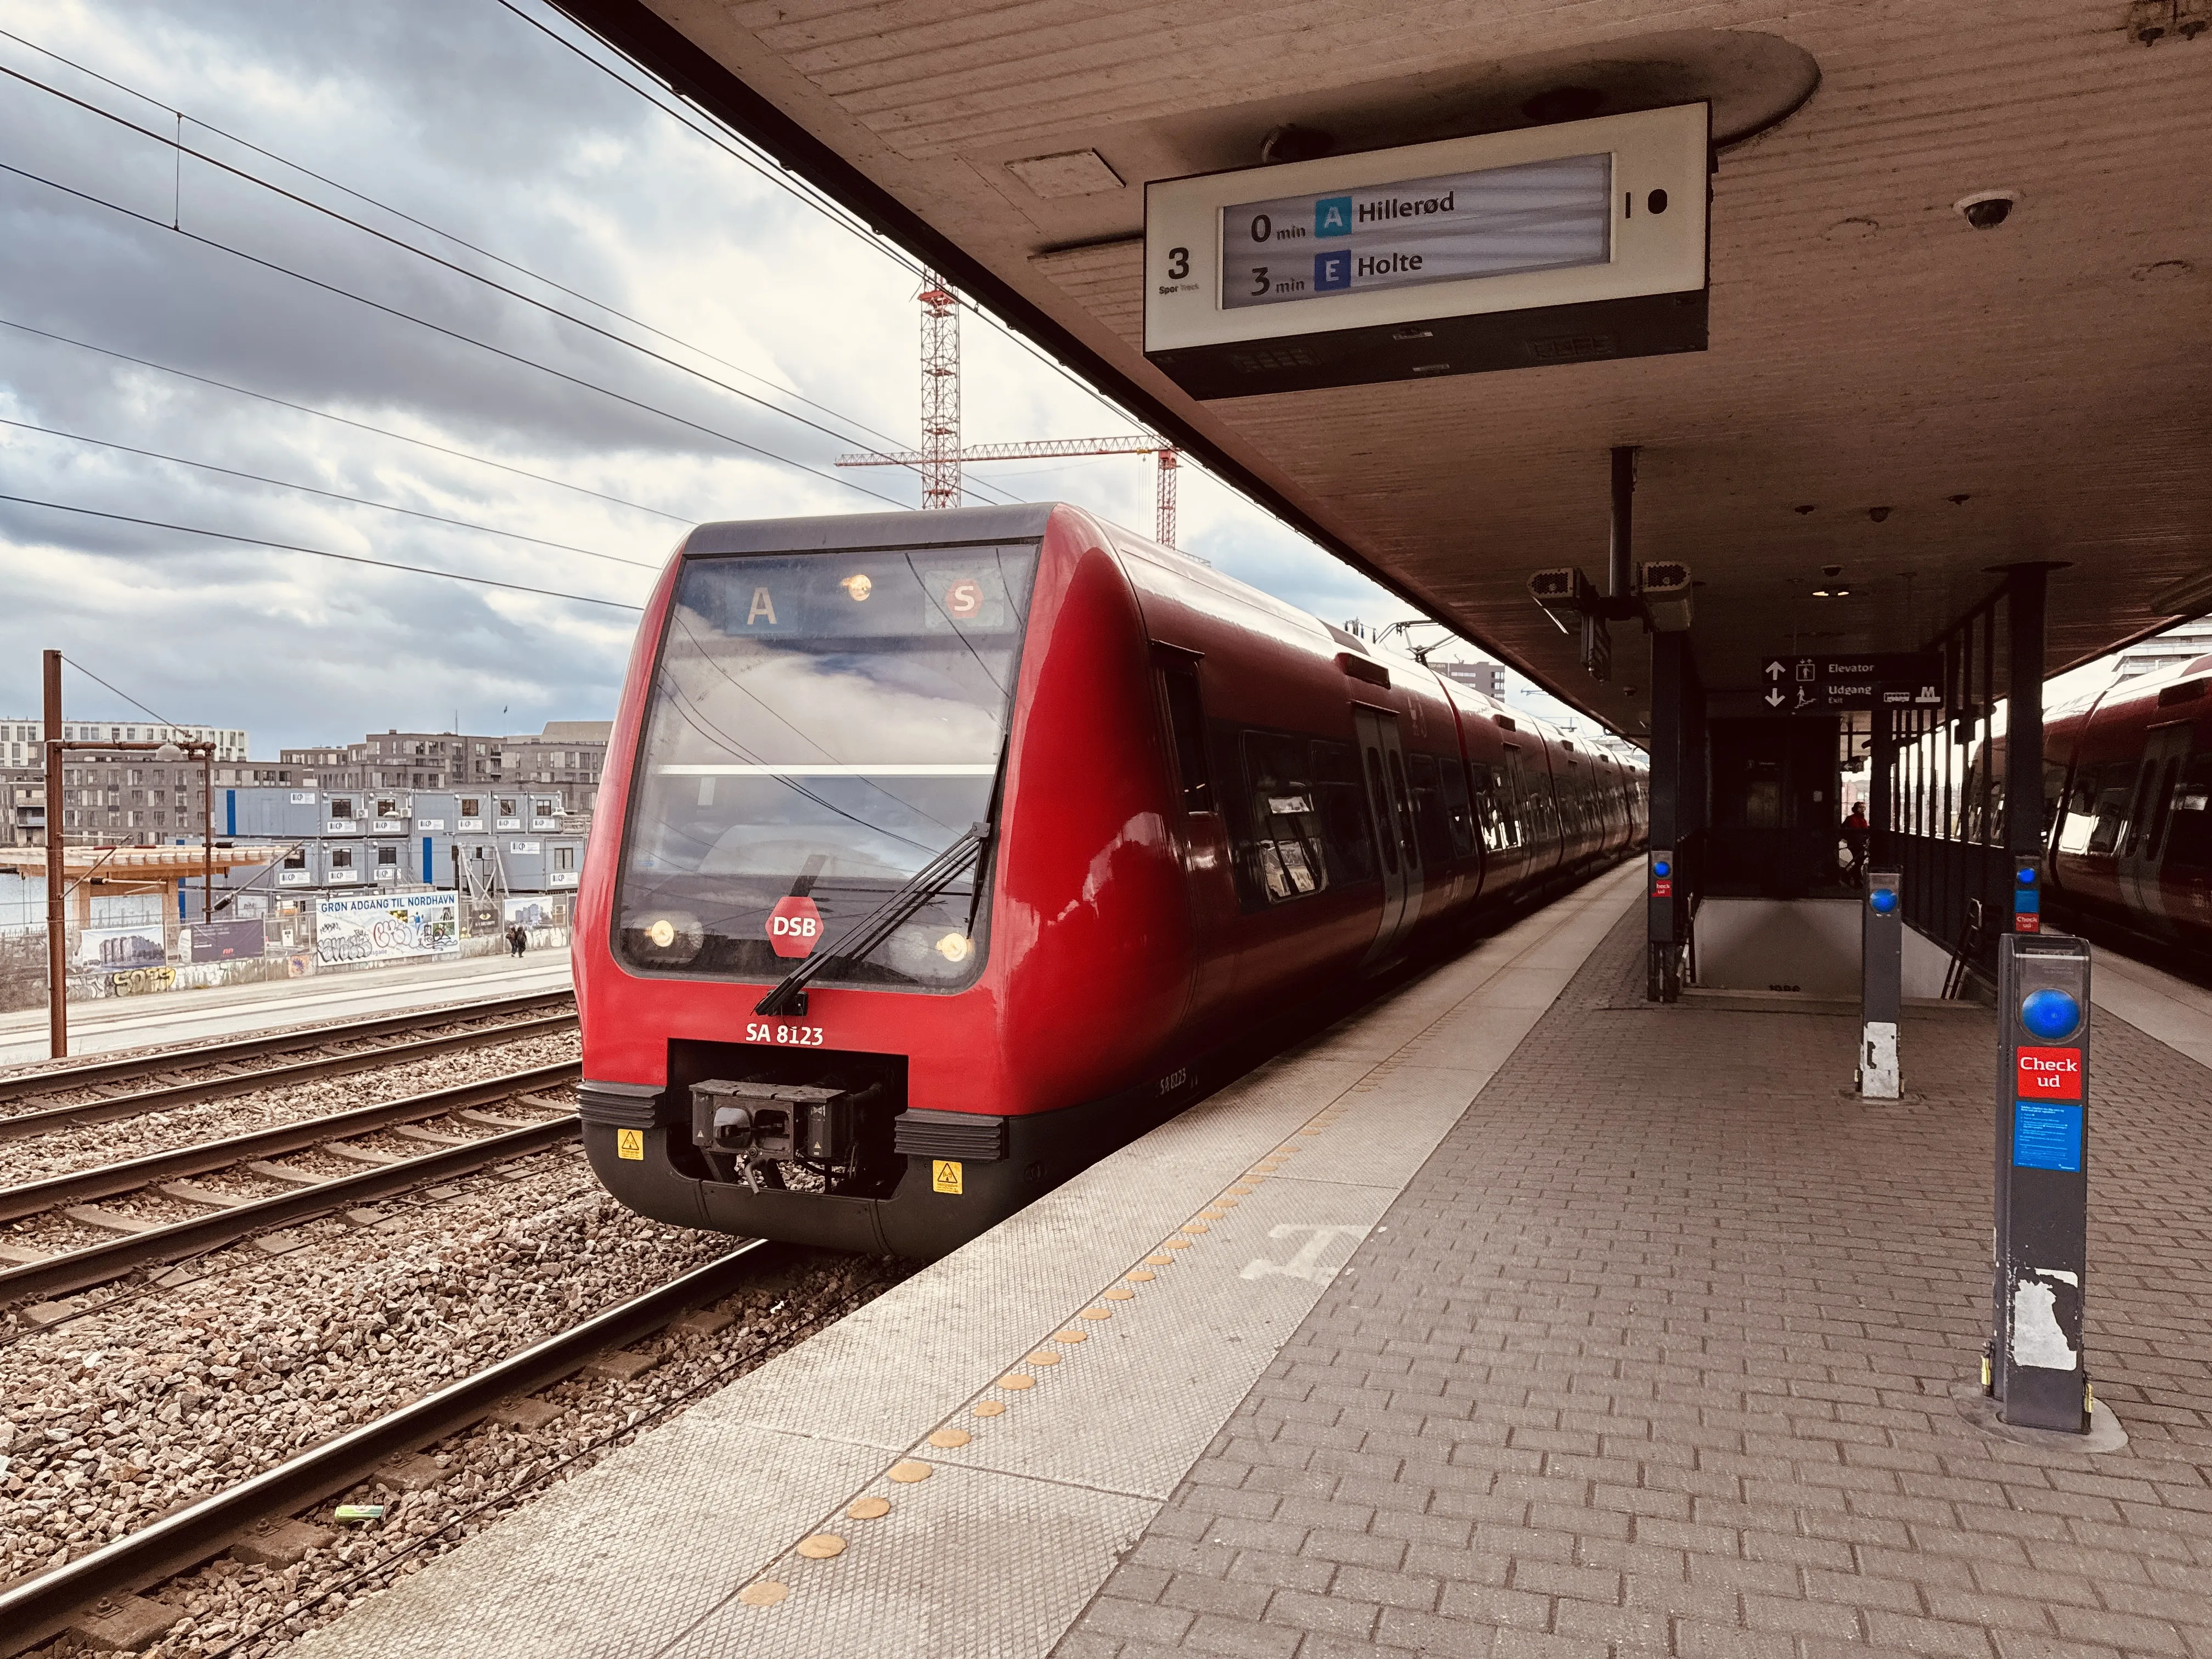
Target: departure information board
<point x="1541" y="215"/>
<point x="1538" y="248"/>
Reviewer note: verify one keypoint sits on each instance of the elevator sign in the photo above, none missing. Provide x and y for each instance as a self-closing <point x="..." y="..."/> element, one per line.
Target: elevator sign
<point x="1873" y="679"/>
<point x="1541" y="247"/>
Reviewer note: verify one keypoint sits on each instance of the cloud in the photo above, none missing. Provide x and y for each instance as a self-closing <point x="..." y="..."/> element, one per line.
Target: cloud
<point x="464" y="117"/>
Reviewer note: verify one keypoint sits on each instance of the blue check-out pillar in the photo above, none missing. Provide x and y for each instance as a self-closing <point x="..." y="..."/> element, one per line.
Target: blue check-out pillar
<point x="1882" y="977"/>
<point x="2038" y="1370"/>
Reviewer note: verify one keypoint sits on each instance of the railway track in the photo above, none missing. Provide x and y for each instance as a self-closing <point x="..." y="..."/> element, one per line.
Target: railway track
<point x="556" y="1006"/>
<point x="136" y="1103"/>
<point x="41" y="1608"/>
<point x="231" y="1217"/>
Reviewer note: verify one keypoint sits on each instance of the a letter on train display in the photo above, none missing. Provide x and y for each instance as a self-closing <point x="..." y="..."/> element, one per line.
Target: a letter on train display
<point x="1544" y="245"/>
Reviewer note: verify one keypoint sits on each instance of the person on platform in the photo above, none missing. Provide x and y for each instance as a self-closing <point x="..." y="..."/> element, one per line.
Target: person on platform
<point x="1857" y="831"/>
<point x="518" y="941"/>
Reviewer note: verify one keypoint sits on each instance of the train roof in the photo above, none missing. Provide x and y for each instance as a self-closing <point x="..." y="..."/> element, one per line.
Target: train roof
<point x="1023" y="521"/>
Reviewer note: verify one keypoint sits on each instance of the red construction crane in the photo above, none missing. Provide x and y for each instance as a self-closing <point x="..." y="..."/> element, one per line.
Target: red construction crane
<point x="941" y="457"/>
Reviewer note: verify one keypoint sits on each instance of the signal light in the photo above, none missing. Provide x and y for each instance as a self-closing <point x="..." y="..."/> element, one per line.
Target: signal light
<point x="2051" y="1015"/>
<point x="1883" y="899"/>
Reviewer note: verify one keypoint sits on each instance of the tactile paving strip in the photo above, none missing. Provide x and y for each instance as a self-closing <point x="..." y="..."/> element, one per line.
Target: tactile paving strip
<point x="1066" y="1390"/>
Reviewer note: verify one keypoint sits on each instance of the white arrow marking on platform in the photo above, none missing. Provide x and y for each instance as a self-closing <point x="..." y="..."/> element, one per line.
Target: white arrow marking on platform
<point x="1306" y="1264"/>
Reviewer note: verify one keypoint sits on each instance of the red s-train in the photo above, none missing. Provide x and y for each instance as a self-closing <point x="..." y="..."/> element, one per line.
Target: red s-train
<point x="2128" y="807"/>
<point x="951" y="846"/>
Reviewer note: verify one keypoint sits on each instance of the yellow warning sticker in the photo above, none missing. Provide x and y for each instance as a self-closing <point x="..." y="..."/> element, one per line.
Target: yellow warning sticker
<point x="945" y="1174"/>
<point x="631" y="1143"/>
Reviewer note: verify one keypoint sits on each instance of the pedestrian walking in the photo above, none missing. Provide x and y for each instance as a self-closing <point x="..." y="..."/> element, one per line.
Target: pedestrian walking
<point x="1857" y="831"/>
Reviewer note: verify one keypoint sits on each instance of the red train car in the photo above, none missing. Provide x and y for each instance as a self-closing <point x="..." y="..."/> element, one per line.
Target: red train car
<point x="2128" y="805"/>
<point x="951" y="846"/>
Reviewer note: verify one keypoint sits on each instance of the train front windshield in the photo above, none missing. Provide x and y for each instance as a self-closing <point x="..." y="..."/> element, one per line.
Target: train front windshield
<point x="821" y="726"/>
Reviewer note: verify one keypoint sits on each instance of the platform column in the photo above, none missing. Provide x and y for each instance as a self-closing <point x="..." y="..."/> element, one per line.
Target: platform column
<point x="1881" y="959"/>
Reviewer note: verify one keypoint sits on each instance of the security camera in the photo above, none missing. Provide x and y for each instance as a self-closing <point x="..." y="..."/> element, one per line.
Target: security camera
<point x="1985" y="210"/>
<point x="1832" y="570"/>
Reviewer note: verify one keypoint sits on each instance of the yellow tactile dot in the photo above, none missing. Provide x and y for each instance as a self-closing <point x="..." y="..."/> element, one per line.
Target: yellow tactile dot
<point x="1072" y="1336"/>
<point x="765" y="1593"/>
<point x="990" y="1408"/>
<point x="1017" y="1381"/>
<point x="868" y="1508"/>
<point x="948" y="1439"/>
<point x="1196" y="1227"/>
<point x="1223" y="1205"/>
<point x="1120" y="1293"/>
<point x="1041" y="1357"/>
<point x="1214" y="1212"/>
<point x="1097" y="1313"/>
<point x="1156" y="1260"/>
<point x="907" y="1471"/>
<point x="1242" y="1192"/>
<point x="1179" y="1242"/>
<point x="1140" y="1275"/>
<point x="1314" y="1130"/>
<point x="821" y="1546"/>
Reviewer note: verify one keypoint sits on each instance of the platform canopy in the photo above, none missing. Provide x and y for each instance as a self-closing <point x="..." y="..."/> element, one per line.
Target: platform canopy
<point x="1888" y="389"/>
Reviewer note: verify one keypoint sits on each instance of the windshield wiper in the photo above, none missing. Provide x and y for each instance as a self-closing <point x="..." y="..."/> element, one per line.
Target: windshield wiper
<point x="788" y="996"/>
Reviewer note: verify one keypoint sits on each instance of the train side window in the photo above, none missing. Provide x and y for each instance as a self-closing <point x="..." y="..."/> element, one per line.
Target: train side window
<point x="1459" y="807"/>
<point x="2111" y="809"/>
<point x="2080" y="810"/>
<point x="2189" y="836"/>
<point x="1285" y="815"/>
<point x="1428" y="820"/>
<point x="1186" y="731"/>
<point x="1347" y="836"/>
<point x="1380" y="797"/>
<point x="1489" y="822"/>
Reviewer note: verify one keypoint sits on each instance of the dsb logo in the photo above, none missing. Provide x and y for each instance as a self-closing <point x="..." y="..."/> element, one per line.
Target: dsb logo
<point x="793" y="927"/>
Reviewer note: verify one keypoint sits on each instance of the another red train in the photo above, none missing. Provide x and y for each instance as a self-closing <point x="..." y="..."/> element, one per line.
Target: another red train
<point x="2128" y="805"/>
<point x="952" y="846"/>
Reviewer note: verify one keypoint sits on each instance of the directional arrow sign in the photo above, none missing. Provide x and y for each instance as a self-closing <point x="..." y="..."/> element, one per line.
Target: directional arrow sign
<point x="1877" y="679"/>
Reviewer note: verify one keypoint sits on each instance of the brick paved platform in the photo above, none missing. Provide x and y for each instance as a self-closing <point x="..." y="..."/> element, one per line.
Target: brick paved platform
<point x="1654" y="1355"/>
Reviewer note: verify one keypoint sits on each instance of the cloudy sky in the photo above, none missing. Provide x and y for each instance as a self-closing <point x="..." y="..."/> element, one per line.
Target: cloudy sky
<point x="525" y="447"/>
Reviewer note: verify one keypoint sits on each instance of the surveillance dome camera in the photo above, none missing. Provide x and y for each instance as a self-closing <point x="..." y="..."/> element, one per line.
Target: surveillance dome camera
<point x="1832" y="570"/>
<point x="1985" y="210"/>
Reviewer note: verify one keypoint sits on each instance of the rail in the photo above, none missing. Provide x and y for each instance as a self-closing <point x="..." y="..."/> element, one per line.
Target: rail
<point x="39" y="1609"/>
<point x="138" y="1103"/>
<point x="100" y="1072"/>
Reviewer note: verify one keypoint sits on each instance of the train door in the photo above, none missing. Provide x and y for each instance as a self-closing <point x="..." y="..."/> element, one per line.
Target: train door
<point x="2143" y="849"/>
<point x="1382" y="762"/>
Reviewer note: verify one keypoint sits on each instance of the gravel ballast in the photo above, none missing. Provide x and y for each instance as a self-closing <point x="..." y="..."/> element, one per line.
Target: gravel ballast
<point x="119" y="1416"/>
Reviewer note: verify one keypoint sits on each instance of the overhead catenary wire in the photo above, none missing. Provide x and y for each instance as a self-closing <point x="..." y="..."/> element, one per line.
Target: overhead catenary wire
<point x="347" y="419"/>
<point x="183" y="148"/>
<point x="329" y="287"/>
<point x="319" y="552"/>
<point x="331" y="494"/>
<point x="829" y="207"/>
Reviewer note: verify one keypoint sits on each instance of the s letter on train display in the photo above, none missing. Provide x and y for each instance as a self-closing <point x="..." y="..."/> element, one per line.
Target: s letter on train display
<point x="1560" y="244"/>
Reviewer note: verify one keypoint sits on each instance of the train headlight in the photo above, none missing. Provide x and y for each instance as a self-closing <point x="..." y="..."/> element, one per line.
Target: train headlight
<point x="954" y="947"/>
<point x="859" y="586"/>
<point x="672" y="937"/>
